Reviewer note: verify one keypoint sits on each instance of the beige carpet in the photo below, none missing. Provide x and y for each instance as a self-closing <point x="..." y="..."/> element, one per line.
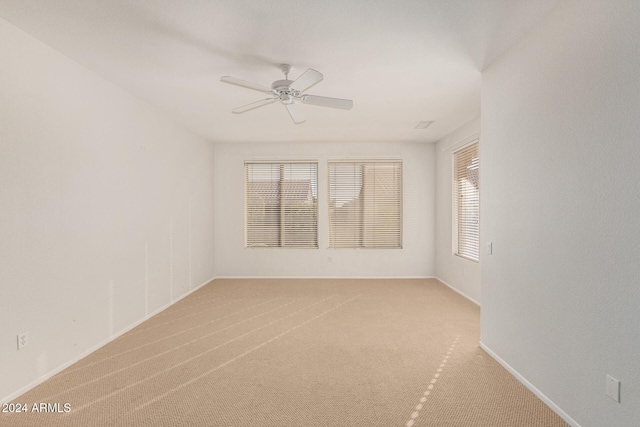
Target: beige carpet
<point x="295" y="353"/>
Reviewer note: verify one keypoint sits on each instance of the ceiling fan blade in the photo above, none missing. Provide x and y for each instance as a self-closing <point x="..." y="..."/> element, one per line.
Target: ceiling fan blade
<point x="295" y="113"/>
<point x="254" y="105"/>
<point x="242" y="83"/>
<point x="306" y="80"/>
<point x="323" y="101"/>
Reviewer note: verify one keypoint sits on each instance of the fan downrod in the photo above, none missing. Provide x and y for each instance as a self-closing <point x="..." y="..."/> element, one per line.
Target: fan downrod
<point x="286" y="69"/>
<point x="282" y="87"/>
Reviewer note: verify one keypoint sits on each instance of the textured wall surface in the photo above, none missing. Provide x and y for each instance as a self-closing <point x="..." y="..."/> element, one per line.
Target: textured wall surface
<point x="106" y="210"/>
<point x="561" y="202"/>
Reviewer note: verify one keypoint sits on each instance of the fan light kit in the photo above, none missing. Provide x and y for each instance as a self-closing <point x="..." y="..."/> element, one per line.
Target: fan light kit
<point x="289" y="93"/>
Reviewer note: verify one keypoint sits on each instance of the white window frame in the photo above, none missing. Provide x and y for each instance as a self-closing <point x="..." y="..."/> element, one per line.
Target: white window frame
<point x="466" y="225"/>
<point x="371" y="222"/>
<point x="278" y="225"/>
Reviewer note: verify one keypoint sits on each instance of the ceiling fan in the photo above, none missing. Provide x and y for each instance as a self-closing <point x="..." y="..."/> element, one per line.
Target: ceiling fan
<point x="289" y="93"/>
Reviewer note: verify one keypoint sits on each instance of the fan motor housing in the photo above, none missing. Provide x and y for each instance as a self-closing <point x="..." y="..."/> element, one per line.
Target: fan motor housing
<point x="281" y="85"/>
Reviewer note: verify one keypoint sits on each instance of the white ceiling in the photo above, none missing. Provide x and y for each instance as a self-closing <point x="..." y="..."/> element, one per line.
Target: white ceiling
<point x="401" y="61"/>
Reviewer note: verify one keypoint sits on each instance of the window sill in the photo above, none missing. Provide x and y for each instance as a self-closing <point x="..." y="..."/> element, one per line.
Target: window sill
<point x="477" y="261"/>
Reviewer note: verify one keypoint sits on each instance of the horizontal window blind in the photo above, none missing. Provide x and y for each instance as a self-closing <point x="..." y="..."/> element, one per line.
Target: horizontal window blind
<point x="281" y="205"/>
<point x="365" y="204"/>
<point x="466" y="197"/>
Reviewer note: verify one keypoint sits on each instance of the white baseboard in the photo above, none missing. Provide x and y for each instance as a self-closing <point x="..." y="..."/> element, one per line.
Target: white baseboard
<point x="84" y="354"/>
<point x="531" y="387"/>
<point x="325" y="277"/>
<point x="453" y="288"/>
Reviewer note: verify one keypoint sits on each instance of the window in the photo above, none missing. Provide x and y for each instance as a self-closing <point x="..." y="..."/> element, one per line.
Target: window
<point x="466" y="202"/>
<point x="281" y="205"/>
<point x="365" y="204"/>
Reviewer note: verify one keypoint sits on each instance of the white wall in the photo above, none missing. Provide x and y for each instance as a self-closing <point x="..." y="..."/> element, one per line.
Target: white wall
<point x="561" y="202"/>
<point x="459" y="273"/>
<point x="92" y="182"/>
<point x="415" y="259"/>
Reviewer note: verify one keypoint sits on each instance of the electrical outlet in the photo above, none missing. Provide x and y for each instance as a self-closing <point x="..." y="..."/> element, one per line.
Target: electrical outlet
<point x="23" y="340"/>
<point x="613" y="388"/>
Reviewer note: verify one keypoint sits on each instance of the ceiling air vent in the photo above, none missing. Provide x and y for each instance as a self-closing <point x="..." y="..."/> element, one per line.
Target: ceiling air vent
<point x="423" y="124"/>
